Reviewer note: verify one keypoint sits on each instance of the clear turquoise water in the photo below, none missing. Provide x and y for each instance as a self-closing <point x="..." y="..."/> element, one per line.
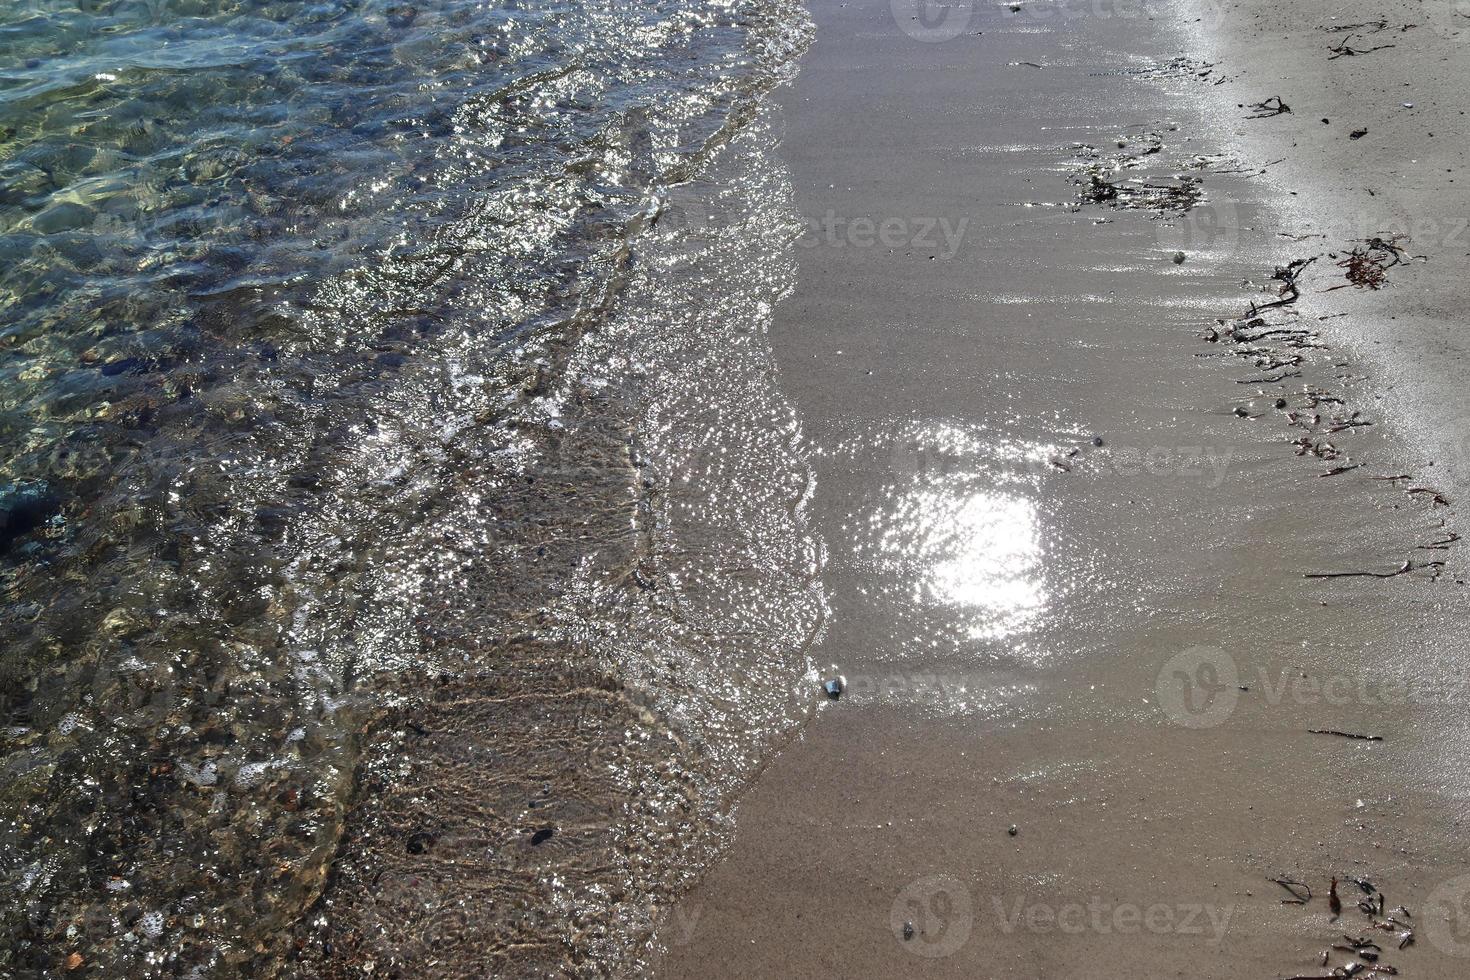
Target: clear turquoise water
<point x="274" y="277"/>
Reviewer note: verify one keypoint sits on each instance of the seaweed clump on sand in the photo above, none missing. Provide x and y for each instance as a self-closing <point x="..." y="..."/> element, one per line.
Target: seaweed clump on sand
<point x="1104" y="181"/>
<point x="1363" y="955"/>
<point x="1280" y="347"/>
<point x="1368" y="262"/>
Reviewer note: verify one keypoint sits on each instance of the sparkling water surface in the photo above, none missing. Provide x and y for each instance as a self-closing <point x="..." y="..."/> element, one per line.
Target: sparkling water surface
<point x="295" y="427"/>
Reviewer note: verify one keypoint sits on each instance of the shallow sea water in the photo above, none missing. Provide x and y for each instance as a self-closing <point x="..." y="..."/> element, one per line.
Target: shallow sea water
<point x="405" y="552"/>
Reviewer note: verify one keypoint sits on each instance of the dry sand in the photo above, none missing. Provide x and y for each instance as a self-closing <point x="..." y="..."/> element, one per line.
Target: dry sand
<point x="1114" y="649"/>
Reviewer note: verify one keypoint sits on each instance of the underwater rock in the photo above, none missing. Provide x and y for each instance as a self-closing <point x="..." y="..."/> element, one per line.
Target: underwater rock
<point x="24" y="506"/>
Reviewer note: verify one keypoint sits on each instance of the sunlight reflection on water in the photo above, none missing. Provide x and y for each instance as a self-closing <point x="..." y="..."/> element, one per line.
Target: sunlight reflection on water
<point x="994" y="563"/>
<point x="976" y="551"/>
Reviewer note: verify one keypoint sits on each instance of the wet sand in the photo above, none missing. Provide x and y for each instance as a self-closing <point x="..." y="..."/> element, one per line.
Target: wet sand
<point x="1088" y="685"/>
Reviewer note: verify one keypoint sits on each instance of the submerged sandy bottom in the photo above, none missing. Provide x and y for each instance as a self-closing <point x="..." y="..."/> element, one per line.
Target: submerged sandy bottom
<point x="1091" y="688"/>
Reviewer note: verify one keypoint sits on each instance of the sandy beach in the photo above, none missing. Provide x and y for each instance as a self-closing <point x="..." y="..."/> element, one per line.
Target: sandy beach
<point x="1143" y="566"/>
<point x="705" y="489"/>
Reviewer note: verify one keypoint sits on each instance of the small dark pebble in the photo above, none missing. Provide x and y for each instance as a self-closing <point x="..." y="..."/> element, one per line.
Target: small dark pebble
<point x="542" y="836"/>
<point x="1014" y="830"/>
<point x="1098" y="441"/>
<point x="1281" y="403"/>
<point x="1357" y="134"/>
<point x="908" y="931"/>
<point x="417" y="843"/>
<point x="1241" y="413"/>
<point x="834" y="688"/>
